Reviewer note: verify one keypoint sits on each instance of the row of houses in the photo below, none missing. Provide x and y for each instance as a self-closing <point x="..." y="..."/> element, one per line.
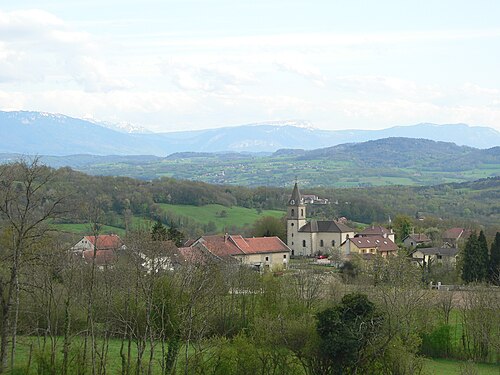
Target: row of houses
<point x="258" y="252"/>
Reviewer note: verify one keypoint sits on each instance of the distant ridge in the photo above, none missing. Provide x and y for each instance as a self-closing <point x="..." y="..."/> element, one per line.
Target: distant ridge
<point x="29" y="132"/>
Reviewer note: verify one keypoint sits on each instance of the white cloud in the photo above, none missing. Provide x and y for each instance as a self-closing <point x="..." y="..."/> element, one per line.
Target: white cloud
<point x="36" y="45"/>
<point x="303" y="69"/>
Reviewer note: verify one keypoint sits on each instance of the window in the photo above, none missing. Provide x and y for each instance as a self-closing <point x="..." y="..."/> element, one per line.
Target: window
<point x="267" y="259"/>
<point x="347" y="236"/>
<point x="292" y="224"/>
<point x="301" y="212"/>
<point x="292" y="234"/>
<point x="292" y="243"/>
<point x="284" y="256"/>
<point x="333" y="243"/>
<point x="321" y="243"/>
<point x="293" y="212"/>
<point x="303" y="243"/>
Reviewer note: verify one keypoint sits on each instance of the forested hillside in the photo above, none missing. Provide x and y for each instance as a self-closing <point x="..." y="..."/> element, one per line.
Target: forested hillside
<point x="391" y="161"/>
<point x="125" y="201"/>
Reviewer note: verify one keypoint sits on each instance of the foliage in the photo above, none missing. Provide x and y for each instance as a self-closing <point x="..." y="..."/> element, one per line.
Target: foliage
<point x="402" y="225"/>
<point x="475" y="259"/>
<point x="437" y="343"/>
<point x="345" y="331"/>
<point x="268" y="226"/>
<point x="494" y="261"/>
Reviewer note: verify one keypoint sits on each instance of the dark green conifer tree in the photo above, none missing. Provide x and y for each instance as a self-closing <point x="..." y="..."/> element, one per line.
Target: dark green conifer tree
<point x="494" y="261"/>
<point x="482" y="258"/>
<point x="470" y="259"/>
<point x="159" y="232"/>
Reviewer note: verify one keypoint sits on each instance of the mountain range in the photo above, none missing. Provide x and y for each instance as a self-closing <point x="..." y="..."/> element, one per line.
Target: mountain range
<point x="42" y="133"/>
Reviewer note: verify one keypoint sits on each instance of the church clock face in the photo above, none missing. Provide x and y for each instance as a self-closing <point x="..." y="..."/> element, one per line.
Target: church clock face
<point x="292" y="202"/>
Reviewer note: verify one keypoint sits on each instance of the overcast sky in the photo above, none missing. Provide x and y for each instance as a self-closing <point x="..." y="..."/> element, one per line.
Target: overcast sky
<point x="190" y="64"/>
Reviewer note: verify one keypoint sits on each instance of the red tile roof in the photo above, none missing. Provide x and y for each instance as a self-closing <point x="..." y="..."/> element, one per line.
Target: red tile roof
<point x="379" y="242"/>
<point x="266" y="245"/>
<point x="106" y="241"/>
<point x="224" y="246"/>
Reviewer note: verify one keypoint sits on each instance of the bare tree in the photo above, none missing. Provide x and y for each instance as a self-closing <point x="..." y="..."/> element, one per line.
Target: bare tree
<point x="26" y="204"/>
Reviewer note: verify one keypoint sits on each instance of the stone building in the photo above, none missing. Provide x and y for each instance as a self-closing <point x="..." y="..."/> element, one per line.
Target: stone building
<point x="308" y="238"/>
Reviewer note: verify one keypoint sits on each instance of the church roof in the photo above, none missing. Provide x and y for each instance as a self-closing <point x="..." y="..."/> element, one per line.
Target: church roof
<point x="315" y="226"/>
<point x="296" y="198"/>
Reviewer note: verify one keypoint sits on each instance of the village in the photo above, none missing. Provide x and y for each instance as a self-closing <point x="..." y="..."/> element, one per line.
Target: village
<point x="326" y="243"/>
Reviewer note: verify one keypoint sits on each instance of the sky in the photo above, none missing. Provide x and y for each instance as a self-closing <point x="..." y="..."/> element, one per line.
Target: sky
<point x="170" y="65"/>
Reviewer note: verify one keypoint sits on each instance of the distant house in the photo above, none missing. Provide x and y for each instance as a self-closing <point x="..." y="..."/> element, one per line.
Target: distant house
<point x="435" y="255"/>
<point x="313" y="199"/>
<point x="374" y="245"/>
<point x="260" y="252"/>
<point x="101" y="242"/>
<point x="454" y="236"/>
<point x="377" y="230"/>
<point x="105" y="246"/>
<point x="414" y="240"/>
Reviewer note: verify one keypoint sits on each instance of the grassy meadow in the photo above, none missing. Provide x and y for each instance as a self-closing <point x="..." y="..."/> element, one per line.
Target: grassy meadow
<point x="223" y="217"/>
<point x="113" y="364"/>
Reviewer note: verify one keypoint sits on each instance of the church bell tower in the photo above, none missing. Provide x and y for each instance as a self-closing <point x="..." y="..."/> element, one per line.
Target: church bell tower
<point x="295" y="219"/>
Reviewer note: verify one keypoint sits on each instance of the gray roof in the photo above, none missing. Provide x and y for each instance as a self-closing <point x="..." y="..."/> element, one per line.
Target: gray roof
<point x="443" y="251"/>
<point x="296" y="198"/>
<point x="315" y="226"/>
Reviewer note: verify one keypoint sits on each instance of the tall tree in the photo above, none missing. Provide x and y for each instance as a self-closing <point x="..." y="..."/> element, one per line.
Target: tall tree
<point x="26" y="203"/>
<point x="494" y="261"/>
<point x="402" y="225"/>
<point x="159" y="232"/>
<point x="482" y="257"/>
<point x="345" y="331"/>
<point x="473" y="266"/>
<point x="269" y="226"/>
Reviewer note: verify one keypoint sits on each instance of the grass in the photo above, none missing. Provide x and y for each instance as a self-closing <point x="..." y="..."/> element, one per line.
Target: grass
<point x="233" y="217"/>
<point x="85" y="229"/>
<point x="113" y="365"/>
<point x="452" y="367"/>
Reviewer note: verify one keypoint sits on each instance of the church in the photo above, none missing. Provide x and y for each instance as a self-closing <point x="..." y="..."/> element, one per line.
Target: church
<point x="308" y="238"/>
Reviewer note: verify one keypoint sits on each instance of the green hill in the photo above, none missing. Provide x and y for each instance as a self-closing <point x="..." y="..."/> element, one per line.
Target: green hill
<point x="223" y="217"/>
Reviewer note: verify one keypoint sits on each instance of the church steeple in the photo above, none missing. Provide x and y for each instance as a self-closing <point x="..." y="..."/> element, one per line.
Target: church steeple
<point x="296" y="219"/>
<point x="296" y="198"/>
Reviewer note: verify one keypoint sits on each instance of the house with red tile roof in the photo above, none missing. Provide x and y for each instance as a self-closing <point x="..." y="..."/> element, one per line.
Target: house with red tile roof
<point x="105" y="246"/>
<point x="101" y="242"/>
<point x="260" y="252"/>
<point x="375" y="245"/>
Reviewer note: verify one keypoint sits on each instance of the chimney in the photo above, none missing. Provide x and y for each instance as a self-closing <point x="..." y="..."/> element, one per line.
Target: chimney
<point x="226" y="236"/>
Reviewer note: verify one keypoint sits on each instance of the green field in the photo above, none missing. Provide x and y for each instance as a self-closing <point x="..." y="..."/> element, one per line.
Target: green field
<point x="223" y="218"/>
<point x="85" y="229"/>
<point x="451" y="367"/>
<point x="233" y="217"/>
<point x="113" y="366"/>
